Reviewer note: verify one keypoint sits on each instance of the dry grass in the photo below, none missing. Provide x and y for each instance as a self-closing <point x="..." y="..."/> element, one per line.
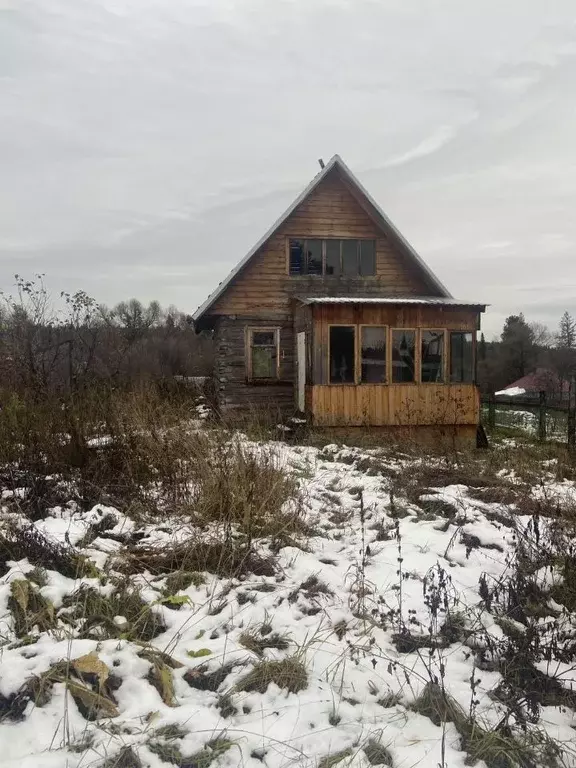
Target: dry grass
<point x="331" y="761"/>
<point x="18" y="542"/>
<point x="30" y="610"/>
<point x="126" y="758"/>
<point x="225" y="557"/>
<point x="249" y="490"/>
<point x="257" y="642"/>
<point x="94" y="614"/>
<point x="499" y="747"/>
<point x="289" y="674"/>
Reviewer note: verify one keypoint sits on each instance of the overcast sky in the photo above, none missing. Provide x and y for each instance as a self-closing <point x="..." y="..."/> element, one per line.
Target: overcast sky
<point x="145" y="145"/>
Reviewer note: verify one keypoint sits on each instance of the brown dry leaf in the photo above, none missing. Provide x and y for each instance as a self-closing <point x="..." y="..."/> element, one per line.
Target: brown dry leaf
<point x="162" y="679"/>
<point x="91" y="665"/>
<point x="20" y="591"/>
<point x="92" y="705"/>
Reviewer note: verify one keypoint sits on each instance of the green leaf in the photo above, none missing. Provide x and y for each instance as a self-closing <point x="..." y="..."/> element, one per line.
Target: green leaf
<point x="199" y="653"/>
<point x="176" y="600"/>
<point x="200" y="634"/>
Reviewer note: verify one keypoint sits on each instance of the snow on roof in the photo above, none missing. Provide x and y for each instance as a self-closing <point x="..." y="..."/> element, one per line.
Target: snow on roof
<point x="511" y="392"/>
<point x="384" y="222"/>
<point x="540" y="379"/>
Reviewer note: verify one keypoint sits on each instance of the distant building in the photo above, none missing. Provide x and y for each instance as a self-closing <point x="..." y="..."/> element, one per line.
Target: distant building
<point x="541" y="380"/>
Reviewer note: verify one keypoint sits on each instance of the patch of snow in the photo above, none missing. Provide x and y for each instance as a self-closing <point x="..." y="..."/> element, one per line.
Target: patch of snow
<point x="511" y="392"/>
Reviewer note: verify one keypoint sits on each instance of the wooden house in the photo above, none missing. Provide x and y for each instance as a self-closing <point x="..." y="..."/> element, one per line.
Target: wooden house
<point x="333" y="315"/>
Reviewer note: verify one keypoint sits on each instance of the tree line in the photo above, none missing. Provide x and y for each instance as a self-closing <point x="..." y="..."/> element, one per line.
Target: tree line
<point x="523" y="348"/>
<point x="44" y="350"/>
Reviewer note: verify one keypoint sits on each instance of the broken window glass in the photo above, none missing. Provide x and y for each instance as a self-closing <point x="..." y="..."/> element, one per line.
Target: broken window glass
<point x="403" y="356"/>
<point x="432" y="362"/>
<point x="342" y="354"/>
<point x="296" y="257"/>
<point x="373" y="354"/>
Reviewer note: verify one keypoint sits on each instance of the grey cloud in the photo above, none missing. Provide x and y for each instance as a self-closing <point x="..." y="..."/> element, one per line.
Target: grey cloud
<point x="145" y="145"/>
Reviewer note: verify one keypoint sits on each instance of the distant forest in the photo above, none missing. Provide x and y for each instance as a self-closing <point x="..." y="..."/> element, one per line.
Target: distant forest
<point x="524" y="347"/>
<point x="47" y="351"/>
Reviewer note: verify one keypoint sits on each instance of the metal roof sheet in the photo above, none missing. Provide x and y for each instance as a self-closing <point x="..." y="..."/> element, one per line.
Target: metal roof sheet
<point x="426" y="300"/>
<point x="384" y="222"/>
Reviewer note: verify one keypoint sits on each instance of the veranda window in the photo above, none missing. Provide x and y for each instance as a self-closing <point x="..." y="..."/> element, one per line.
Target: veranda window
<point x="461" y="357"/>
<point x="432" y="359"/>
<point x="403" y="356"/>
<point x="342" y="354"/>
<point x="373" y="354"/>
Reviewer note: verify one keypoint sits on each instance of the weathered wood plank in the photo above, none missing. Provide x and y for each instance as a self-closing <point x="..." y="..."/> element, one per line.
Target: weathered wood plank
<point x="394" y="405"/>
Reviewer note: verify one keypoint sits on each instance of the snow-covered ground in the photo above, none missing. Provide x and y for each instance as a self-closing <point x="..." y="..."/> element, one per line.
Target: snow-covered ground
<point x="376" y="567"/>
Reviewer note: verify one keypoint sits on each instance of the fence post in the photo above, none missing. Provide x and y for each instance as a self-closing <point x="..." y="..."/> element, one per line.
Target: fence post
<point x="492" y="413"/>
<point x="542" y="418"/>
<point x="572" y="414"/>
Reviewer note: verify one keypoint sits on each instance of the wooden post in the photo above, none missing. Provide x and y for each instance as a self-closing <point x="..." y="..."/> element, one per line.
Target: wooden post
<point x="492" y="413"/>
<point x="572" y="414"/>
<point x="542" y="417"/>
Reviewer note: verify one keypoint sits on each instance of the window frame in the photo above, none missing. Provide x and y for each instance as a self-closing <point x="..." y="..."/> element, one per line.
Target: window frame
<point x="474" y="377"/>
<point x="389" y="335"/>
<point x="340" y="240"/>
<point x="250" y="331"/>
<point x="445" y="369"/>
<point x="386" y="381"/>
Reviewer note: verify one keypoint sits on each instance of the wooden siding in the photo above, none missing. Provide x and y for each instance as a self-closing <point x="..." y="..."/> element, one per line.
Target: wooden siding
<point x="330" y="211"/>
<point x="394" y="405"/>
<point x="389" y="404"/>
<point x="234" y="390"/>
<point x="406" y="316"/>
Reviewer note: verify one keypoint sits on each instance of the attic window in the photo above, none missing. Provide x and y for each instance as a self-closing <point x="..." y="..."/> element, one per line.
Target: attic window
<point x="333" y="257"/>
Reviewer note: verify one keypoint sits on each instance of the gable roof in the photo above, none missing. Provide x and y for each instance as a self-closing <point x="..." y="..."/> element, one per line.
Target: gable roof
<point x="376" y="213"/>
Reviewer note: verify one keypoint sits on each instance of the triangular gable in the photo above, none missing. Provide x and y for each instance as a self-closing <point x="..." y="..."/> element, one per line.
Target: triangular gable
<point x="366" y="202"/>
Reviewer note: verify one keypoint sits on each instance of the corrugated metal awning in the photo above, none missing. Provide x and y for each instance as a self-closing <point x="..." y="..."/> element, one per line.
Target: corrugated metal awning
<point x="435" y="301"/>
